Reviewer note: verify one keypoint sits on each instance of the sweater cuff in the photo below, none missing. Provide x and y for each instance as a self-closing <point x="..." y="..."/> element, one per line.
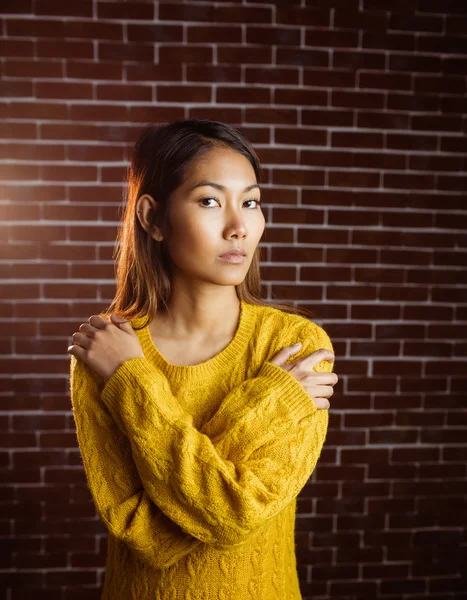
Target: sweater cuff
<point x="299" y="402"/>
<point x="135" y="372"/>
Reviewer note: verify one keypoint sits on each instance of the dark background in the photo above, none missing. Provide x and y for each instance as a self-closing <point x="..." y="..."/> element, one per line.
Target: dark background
<point x="358" y="111"/>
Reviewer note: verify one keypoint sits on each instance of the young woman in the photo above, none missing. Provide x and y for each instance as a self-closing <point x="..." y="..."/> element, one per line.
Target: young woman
<point x="196" y="428"/>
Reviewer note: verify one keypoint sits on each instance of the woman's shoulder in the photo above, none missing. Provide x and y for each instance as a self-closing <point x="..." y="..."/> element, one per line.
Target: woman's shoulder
<point x="273" y="317"/>
<point x="288" y="328"/>
<point x="82" y="377"/>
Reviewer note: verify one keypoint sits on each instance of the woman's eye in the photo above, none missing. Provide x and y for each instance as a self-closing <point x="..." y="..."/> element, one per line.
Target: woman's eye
<point x="258" y="202"/>
<point x="205" y="199"/>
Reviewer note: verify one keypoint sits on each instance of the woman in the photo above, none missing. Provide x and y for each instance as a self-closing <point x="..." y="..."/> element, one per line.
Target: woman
<point x="197" y="430"/>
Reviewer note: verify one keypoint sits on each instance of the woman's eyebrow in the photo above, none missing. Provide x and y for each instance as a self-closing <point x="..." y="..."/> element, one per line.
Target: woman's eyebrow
<point x="221" y="187"/>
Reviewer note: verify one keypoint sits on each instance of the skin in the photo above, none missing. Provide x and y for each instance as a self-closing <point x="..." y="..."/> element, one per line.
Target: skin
<point x="206" y="222"/>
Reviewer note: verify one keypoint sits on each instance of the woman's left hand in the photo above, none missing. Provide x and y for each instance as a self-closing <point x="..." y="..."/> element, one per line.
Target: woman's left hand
<point x="105" y="345"/>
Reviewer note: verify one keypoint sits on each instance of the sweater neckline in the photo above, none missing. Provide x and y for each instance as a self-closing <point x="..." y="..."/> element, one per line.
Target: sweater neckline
<point x="222" y="360"/>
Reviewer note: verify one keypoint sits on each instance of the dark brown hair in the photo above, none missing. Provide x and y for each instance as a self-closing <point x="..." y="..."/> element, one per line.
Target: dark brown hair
<point x="160" y="159"/>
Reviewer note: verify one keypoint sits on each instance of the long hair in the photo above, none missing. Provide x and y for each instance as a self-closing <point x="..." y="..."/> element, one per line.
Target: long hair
<point x="159" y="162"/>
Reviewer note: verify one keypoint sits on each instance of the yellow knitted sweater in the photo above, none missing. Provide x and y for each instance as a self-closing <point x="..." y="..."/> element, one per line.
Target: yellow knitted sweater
<point x="195" y="469"/>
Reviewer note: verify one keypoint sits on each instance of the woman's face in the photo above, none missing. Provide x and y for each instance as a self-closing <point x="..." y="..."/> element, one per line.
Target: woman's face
<point x="208" y="220"/>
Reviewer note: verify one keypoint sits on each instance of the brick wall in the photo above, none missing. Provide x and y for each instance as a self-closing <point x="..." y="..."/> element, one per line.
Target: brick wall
<point x="358" y="111"/>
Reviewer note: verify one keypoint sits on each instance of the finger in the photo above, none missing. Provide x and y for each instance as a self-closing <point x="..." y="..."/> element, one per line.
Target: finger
<point x="121" y="323"/>
<point x="315" y="386"/>
<point x="98" y="322"/>
<point x="321" y="403"/>
<point x="311" y="360"/>
<point x="280" y="357"/>
<point x="323" y="391"/>
<point x="118" y="320"/>
<point x="87" y="329"/>
<point x="81" y="339"/>
<point x="77" y="351"/>
<point x="322" y="378"/>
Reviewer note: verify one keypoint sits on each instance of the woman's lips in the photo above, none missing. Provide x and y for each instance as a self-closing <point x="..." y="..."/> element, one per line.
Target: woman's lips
<point x="233" y="258"/>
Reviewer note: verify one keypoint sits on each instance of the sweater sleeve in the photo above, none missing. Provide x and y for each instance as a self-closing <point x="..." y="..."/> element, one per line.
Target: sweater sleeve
<point x="115" y="485"/>
<point x="247" y="463"/>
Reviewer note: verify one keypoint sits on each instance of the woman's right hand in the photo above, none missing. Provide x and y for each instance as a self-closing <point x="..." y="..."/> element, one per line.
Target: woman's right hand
<point x="318" y="385"/>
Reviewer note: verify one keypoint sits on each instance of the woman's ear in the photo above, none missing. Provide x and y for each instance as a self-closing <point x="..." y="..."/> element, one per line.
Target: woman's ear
<point x="146" y="207"/>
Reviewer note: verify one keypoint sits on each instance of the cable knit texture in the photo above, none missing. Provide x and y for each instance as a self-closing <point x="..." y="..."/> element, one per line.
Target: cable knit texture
<point x="195" y="469"/>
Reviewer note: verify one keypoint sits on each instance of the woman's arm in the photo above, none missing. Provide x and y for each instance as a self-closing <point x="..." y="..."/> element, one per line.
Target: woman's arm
<point x="253" y="457"/>
<point x="116" y="487"/>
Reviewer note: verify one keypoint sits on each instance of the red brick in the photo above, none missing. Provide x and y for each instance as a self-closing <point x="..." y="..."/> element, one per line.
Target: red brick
<point x="360" y="140"/>
<point x="388" y="41"/>
<point x="300" y="135"/>
<point x="153" y="113"/>
<point x="68" y="252"/>
<point x="95" y="153"/>
<point x="88" y="132"/>
<point x="114" y="51"/>
<point x="147" y="72"/>
<point x="91" y="70"/>
<point x="366" y="20"/>
<point x="74" y="8"/>
<point x="154" y="33"/>
<point x="244" y="54"/>
<point x="178" y="12"/>
<point x="216" y="14"/>
<point x="38" y="69"/>
<point x="35" y="28"/>
<point x="65" y="49"/>
<point x="329" y="38"/>
<point x="70" y="213"/>
<point x="286" y="116"/>
<point x="415" y="22"/>
<point x="354" y="179"/>
<point x="132" y="93"/>
<point x="213" y="34"/>
<point x="16" y="48"/>
<point x="94" y="30"/>
<point x="302" y="57"/>
<point x="94" y="193"/>
<point x="16" y="88"/>
<point x="182" y="93"/>
<point x="36" y="193"/>
<point x="451" y="64"/>
<point x="19" y="172"/>
<point x="37" y="110"/>
<point x="283" y="36"/>
<point x="38" y="422"/>
<point x="118" y="10"/>
<point x="113" y="174"/>
<point x="78" y="91"/>
<point x="328" y="78"/>
<point x="98" y="112"/>
<point x="349" y="59"/>
<point x="271" y="75"/>
<point x="69" y="173"/>
<point x="186" y="54"/>
<point x="300" y="96"/>
<point x="17" y="7"/>
<point x="278" y="155"/>
<point x="26" y="151"/>
<point x="295" y="15"/>
<point x="243" y="95"/>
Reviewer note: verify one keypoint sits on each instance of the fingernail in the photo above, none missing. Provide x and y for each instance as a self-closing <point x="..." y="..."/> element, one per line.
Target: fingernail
<point x="297" y="345"/>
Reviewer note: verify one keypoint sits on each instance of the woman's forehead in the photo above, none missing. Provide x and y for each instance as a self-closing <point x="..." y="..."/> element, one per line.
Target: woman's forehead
<point x="222" y="166"/>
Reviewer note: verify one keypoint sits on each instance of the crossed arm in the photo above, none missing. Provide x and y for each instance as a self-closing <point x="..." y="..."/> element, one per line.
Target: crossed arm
<point x="164" y="487"/>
